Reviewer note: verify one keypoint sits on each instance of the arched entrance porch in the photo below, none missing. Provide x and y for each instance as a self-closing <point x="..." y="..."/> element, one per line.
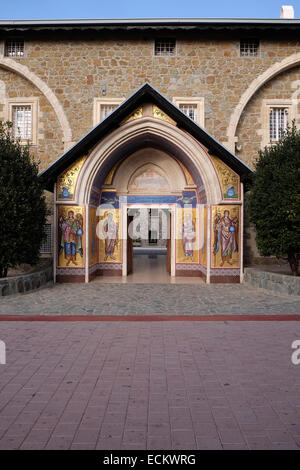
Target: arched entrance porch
<point x="153" y="156"/>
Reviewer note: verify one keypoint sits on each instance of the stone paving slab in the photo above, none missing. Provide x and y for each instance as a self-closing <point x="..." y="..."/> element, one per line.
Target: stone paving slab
<point x="150" y="299"/>
<point x="158" y="385"/>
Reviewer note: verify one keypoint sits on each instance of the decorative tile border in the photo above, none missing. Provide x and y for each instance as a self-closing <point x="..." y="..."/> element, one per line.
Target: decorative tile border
<point x="187" y="267"/>
<point x="110" y="266"/>
<point x="224" y="272"/>
<point x="70" y="271"/>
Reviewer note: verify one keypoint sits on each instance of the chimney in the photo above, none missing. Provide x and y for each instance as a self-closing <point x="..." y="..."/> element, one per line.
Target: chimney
<point x="287" y="12"/>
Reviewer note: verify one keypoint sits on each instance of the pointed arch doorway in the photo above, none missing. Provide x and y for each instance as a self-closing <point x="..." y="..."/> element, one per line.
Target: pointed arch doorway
<point x="149" y="185"/>
<point x="187" y="169"/>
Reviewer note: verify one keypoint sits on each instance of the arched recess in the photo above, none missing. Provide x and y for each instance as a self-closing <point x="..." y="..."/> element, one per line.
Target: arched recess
<point x="143" y="133"/>
<point x="151" y="159"/>
<point x="22" y="70"/>
<point x="277" y="68"/>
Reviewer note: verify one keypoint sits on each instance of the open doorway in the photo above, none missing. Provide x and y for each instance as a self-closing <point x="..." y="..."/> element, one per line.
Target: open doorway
<point x="149" y="243"/>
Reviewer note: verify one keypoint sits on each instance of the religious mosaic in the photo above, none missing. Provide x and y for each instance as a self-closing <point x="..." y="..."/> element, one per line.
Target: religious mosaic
<point x="92" y="236"/>
<point x="225" y="236"/>
<point x="187" y="236"/>
<point x="70" y="236"/>
<point x="138" y="113"/>
<point x="109" y="235"/>
<point x="158" y="113"/>
<point x="66" y="182"/>
<point x="229" y="180"/>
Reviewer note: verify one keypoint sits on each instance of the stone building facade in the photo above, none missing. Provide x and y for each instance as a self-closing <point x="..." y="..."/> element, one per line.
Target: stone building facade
<point x="238" y="79"/>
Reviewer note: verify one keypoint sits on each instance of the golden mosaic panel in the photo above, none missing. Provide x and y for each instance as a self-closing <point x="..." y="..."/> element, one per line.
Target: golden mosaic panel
<point x="225" y="236"/>
<point x="159" y="114"/>
<point x="187" y="236"/>
<point x="66" y="182"/>
<point x="137" y="114"/>
<point x="229" y="180"/>
<point x="71" y="244"/>
<point x="109" y="235"/>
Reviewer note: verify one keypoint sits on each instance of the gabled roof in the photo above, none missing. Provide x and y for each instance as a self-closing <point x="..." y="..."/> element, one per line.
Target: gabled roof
<point x="146" y="93"/>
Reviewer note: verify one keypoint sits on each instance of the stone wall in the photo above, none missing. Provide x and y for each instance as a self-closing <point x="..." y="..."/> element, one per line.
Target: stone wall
<point x="49" y="136"/>
<point x="285" y="86"/>
<point x="26" y="282"/>
<point x="279" y="283"/>
<point x="75" y="70"/>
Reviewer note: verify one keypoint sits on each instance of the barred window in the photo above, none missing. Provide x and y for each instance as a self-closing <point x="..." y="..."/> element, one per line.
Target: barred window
<point x="46" y="245"/>
<point x="106" y="110"/>
<point x="190" y="110"/>
<point x="249" y="47"/>
<point x="165" y="46"/>
<point x="14" y="48"/>
<point x="278" y="122"/>
<point x="22" y="122"/>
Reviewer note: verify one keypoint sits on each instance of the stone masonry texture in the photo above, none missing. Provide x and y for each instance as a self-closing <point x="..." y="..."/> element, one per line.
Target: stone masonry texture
<point x="75" y="70"/>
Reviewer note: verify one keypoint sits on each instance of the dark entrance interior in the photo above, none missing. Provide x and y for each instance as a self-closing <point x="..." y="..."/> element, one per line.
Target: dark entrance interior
<point x="149" y="243"/>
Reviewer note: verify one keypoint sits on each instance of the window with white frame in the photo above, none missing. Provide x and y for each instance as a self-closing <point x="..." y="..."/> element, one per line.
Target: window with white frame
<point x="249" y="47"/>
<point x="276" y="114"/>
<point x="22" y="121"/>
<point x="23" y="113"/>
<point x="14" y="48"/>
<point x="278" y="120"/>
<point x="106" y="110"/>
<point x="46" y="246"/>
<point x="190" y="109"/>
<point x="103" y="107"/>
<point x="165" y="46"/>
<point x="193" y="107"/>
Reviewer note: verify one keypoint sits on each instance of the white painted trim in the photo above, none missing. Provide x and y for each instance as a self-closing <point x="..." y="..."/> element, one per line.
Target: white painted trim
<point x="172" y="208"/>
<point x="208" y="244"/>
<point x="87" y="243"/>
<point x="242" y="235"/>
<point x="173" y="236"/>
<point x="55" y="244"/>
<point x="124" y="237"/>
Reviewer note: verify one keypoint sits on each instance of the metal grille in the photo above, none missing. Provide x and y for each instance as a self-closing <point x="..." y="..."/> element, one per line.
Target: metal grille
<point x="106" y="109"/>
<point x="165" y="46"/>
<point x="22" y="122"/>
<point x="46" y="245"/>
<point x="249" y="47"/>
<point x="14" y="48"/>
<point x="278" y="122"/>
<point x="190" y="110"/>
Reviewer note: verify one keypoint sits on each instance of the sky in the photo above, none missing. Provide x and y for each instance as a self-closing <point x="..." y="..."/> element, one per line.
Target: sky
<point x="54" y="9"/>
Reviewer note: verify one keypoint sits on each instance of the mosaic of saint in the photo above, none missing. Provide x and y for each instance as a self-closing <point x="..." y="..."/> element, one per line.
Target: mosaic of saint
<point x="70" y="236"/>
<point x="225" y="236"/>
<point x="110" y="243"/>
<point x="186" y="242"/>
